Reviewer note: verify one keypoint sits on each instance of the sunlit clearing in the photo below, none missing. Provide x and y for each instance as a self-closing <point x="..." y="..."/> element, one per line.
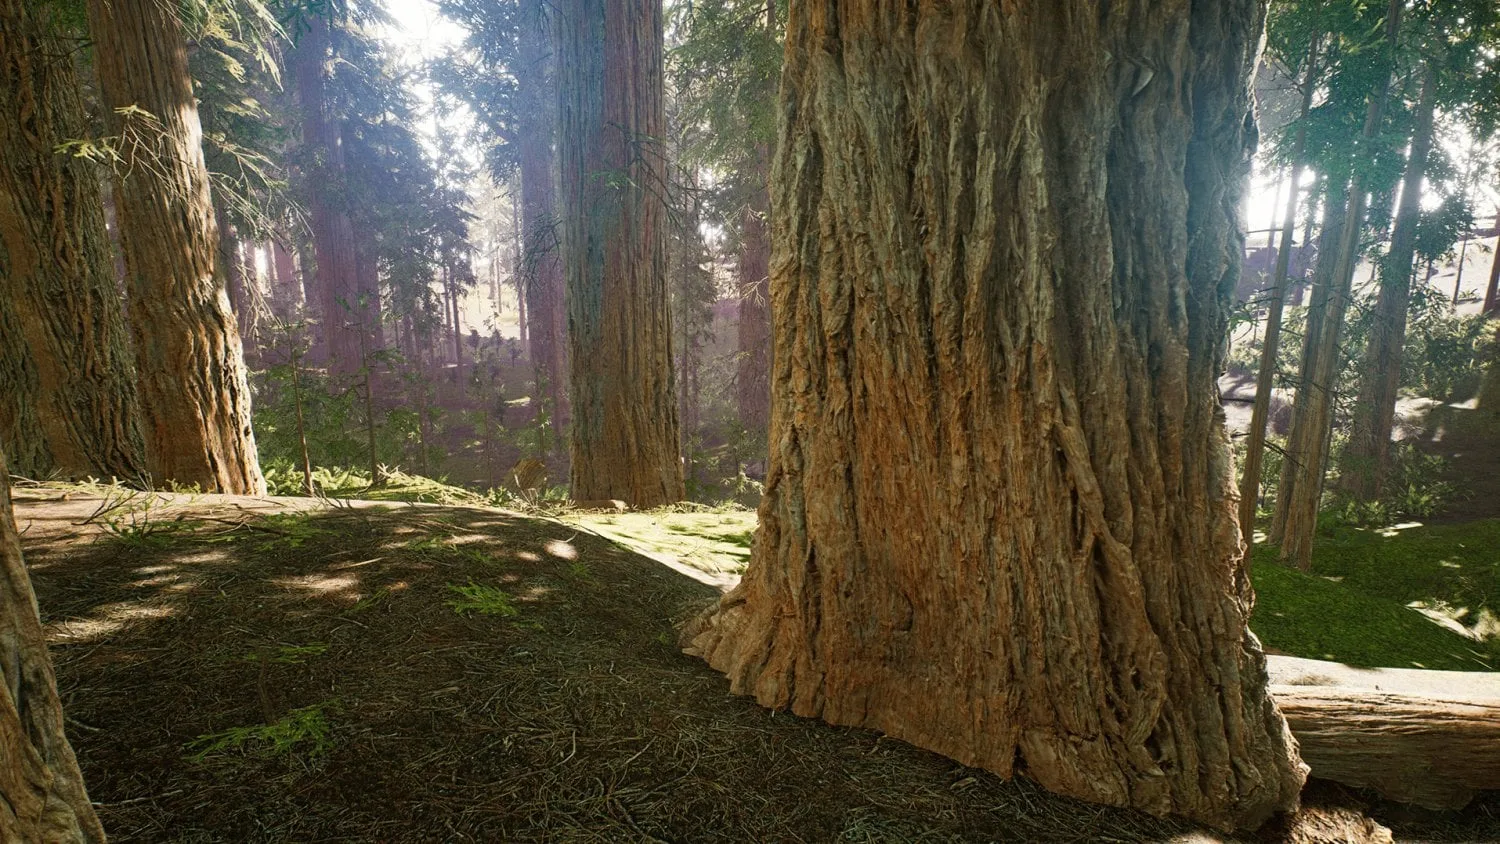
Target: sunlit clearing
<point x="1395" y="529"/>
<point x="560" y="549"/>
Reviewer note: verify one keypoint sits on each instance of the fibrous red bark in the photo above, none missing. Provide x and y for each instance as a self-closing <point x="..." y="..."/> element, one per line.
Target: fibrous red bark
<point x="998" y="521"/>
<point x="42" y="797"/>
<point x="57" y="272"/>
<point x="624" y="432"/>
<point x="194" y="398"/>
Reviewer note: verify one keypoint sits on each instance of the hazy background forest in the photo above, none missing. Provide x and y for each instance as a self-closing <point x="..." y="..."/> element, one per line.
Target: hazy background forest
<point x="518" y="259"/>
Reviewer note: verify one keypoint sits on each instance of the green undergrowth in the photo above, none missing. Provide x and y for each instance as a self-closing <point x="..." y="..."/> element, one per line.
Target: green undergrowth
<point x="305" y="731"/>
<point x="716" y="541"/>
<point x="1406" y="596"/>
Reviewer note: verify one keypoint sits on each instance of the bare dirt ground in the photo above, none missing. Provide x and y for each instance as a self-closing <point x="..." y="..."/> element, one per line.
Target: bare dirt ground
<point x="254" y="670"/>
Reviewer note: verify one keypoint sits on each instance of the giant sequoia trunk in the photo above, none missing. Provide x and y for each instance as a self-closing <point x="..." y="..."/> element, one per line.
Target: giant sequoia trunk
<point x="194" y="399"/>
<point x="1367" y="457"/>
<point x="542" y="315"/>
<point x="333" y="282"/>
<point x="42" y="798"/>
<point x="624" y="431"/>
<point x="56" y="270"/>
<point x="999" y="521"/>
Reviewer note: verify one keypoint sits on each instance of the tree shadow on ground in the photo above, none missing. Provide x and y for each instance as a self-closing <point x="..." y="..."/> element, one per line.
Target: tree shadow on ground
<point x="456" y="674"/>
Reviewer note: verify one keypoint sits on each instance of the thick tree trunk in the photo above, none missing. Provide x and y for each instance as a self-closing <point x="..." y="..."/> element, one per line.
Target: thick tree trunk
<point x="999" y="520"/>
<point x="42" y="798"/>
<point x="57" y="271"/>
<point x="624" y="433"/>
<point x="1270" y="346"/>
<point x="1306" y="463"/>
<point x="1367" y="457"/>
<point x="20" y="428"/>
<point x="335" y="276"/>
<point x="753" y="366"/>
<point x="542" y="307"/>
<point x="194" y="398"/>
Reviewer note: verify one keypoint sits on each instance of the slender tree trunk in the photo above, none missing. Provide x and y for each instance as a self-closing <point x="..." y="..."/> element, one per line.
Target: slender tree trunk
<point x="1301" y="438"/>
<point x="624" y="433"/>
<point x="65" y="333"/>
<point x="753" y="369"/>
<point x="335" y="277"/>
<point x="542" y="308"/>
<point x="999" y="520"/>
<point x="1492" y="289"/>
<point x="1265" y="379"/>
<point x="1301" y="488"/>
<point x="194" y="398"/>
<point x="42" y="797"/>
<point x="1367" y="457"/>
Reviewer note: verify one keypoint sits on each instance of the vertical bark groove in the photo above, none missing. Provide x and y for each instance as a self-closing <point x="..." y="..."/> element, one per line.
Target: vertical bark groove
<point x="194" y="398"/>
<point x="42" y="797"/>
<point x="58" y="271"/>
<point x="998" y="521"/>
<point x="624" y="432"/>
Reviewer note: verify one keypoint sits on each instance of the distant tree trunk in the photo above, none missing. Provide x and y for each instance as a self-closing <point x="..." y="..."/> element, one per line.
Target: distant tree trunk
<point x="624" y="434"/>
<point x="541" y="264"/>
<point x="57" y="272"/>
<point x="1492" y="289"/>
<point x="1265" y="378"/>
<point x="999" y="519"/>
<point x="194" y="397"/>
<point x="1367" y="457"/>
<point x="286" y="285"/>
<point x="335" y="277"/>
<point x="753" y="370"/>
<point x="1301" y="489"/>
<point x="1303" y="440"/>
<point x="42" y="797"/>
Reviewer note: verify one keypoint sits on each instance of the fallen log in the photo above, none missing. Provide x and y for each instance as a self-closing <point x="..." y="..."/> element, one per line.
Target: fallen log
<point x="1431" y="738"/>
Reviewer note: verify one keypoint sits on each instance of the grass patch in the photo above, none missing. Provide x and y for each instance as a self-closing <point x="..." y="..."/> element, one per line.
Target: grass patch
<point x="1309" y="616"/>
<point x="306" y="729"/>
<point x="479" y="599"/>
<point x="715" y="541"/>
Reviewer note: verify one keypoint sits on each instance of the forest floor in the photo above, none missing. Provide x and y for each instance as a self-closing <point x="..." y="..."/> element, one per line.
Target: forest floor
<point x="242" y="669"/>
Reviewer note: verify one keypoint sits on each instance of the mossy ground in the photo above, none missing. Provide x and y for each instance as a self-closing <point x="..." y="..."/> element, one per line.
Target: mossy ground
<point x="1412" y="596"/>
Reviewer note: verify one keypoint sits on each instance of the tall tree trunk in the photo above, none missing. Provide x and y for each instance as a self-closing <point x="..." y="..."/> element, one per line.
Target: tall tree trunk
<point x="194" y="398"/>
<point x="541" y="264"/>
<point x="335" y="276"/>
<point x="1299" y="437"/>
<point x="42" y="797"/>
<point x="1265" y="379"/>
<point x="999" y="520"/>
<point x="1492" y="288"/>
<point x="57" y="270"/>
<point x="1367" y="457"/>
<point x="1301" y="489"/>
<point x="753" y="366"/>
<point x="624" y="435"/>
